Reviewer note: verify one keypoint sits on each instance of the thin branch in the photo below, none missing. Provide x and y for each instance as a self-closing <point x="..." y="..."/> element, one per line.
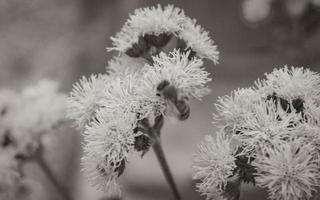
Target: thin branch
<point x="47" y="170"/>
<point x="157" y="148"/>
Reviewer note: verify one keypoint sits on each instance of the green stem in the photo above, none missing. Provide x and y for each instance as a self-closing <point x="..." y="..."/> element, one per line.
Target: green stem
<point x="46" y="169"/>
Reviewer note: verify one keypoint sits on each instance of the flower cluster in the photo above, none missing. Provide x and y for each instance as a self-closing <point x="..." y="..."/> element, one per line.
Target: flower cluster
<point x="28" y="115"/>
<point x="214" y="163"/>
<point x="25" y="117"/>
<point x="148" y="30"/>
<point x="143" y="84"/>
<point x="274" y="130"/>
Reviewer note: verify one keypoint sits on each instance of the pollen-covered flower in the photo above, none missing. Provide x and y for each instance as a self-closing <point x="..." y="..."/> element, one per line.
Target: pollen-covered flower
<point x="214" y="163"/>
<point x="84" y="99"/>
<point x="148" y="26"/>
<point x="109" y="140"/>
<point x="196" y="39"/>
<point x="288" y="171"/>
<point x="188" y="76"/>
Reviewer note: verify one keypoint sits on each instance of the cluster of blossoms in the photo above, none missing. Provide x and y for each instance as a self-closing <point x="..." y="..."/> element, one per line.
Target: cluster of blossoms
<point x="141" y="85"/>
<point x="24" y="118"/>
<point x="258" y="10"/>
<point x="268" y="135"/>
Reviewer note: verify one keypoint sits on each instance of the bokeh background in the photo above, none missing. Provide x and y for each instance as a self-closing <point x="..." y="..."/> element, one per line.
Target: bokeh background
<point x="66" y="39"/>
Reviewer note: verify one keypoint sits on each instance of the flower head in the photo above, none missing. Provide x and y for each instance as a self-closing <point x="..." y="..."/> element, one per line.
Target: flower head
<point x="109" y="140"/>
<point x="84" y="99"/>
<point x="125" y="94"/>
<point x="291" y="83"/>
<point x="288" y="171"/>
<point x="187" y="76"/>
<point x="42" y="109"/>
<point x="156" y="23"/>
<point x="37" y="110"/>
<point x="266" y="124"/>
<point x="231" y="109"/>
<point x="150" y="29"/>
<point x="198" y="41"/>
<point x="214" y="163"/>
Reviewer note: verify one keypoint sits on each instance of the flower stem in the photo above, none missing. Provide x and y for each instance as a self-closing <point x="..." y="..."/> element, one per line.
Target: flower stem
<point x="157" y="148"/>
<point x="46" y="169"/>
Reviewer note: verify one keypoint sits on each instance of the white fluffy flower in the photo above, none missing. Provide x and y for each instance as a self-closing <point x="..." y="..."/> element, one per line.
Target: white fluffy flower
<point x="124" y="94"/>
<point x="84" y="99"/>
<point x="149" y="20"/>
<point x="214" y="163"/>
<point x="124" y="64"/>
<point x="155" y="26"/>
<point x="199" y="41"/>
<point x="292" y="83"/>
<point x="256" y="10"/>
<point x="266" y="124"/>
<point x="109" y="140"/>
<point x="187" y="76"/>
<point x="231" y="109"/>
<point x="289" y="171"/>
<point x="43" y="107"/>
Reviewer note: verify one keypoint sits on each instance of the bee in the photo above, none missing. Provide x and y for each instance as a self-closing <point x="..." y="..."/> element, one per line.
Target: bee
<point x="170" y="93"/>
<point x="167" y="91"/>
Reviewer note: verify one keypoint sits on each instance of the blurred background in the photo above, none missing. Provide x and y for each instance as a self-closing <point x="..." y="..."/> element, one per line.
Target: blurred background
<point x="66" y="39"/>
